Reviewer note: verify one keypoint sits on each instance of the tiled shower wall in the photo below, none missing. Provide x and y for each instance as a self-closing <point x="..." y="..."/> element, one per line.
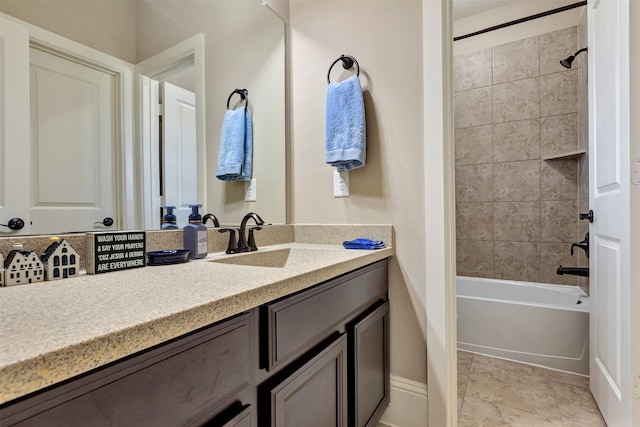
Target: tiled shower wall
<point x="517" y="214"/>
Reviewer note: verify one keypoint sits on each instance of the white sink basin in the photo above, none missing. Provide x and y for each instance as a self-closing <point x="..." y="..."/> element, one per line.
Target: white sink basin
<point x="278" y="258"/>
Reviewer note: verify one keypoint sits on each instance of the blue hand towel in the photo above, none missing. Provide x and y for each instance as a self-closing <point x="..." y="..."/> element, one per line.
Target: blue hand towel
<point x="363" y="244"/>
<point x="236" y="146"/>
<point x="345" y="126"/>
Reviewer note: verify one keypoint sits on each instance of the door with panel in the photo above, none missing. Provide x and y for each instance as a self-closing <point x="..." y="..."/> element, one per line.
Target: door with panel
<point x="609" y="197"/>
<point x="73" y="144"/>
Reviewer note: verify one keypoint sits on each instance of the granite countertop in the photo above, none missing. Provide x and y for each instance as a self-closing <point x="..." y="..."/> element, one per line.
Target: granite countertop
<point x="52" y="331"/>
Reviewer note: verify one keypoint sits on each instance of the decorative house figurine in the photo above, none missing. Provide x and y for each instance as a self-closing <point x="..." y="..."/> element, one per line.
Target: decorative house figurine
<point x="60" y="260"/>
<point x="22" y="267"/>
<point x="1" y="271"/>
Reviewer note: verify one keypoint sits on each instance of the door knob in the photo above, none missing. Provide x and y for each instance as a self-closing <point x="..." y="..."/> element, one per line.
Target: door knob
<point x="107" y="222"/>
<point x="14" y="224"/>
<point x="588" y="215"/>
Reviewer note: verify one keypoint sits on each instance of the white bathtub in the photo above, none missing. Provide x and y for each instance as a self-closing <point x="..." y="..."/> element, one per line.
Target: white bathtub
<point x="535" y="323"/>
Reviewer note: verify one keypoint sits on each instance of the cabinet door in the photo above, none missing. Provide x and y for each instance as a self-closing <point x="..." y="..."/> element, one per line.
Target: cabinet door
<point x="369" y="363"/>
<point x="316" y="394"/>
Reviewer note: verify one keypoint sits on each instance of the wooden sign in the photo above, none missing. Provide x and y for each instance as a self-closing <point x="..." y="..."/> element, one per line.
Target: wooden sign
<point x="113" y="251"/>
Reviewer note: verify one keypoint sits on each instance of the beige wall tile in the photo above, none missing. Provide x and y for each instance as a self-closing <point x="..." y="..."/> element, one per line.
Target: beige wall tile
<point x="472" y="70"/>
<point x="559" y="180"/>
<point x="558" y="134"/>
<point x="553" y="255"/>
<point x="516" y="140"/>
<point x="516" y="60"/>
<point x="559" y="93"/>
<point x="517" y="100"/>
<point x="517" y="261"/>
<point x="474" y="258"/>
<point x="517" y="221"/>
<point x="474" y="183"/>
<point x="583" y="176"/>
<point x="555" y="46"/>
<point x="474" y="145"/>
<point x="474" y="221"/>
<point x="516" y="181"/>
<point x="583" y="80"/>
<point x="559" y="221"/>
<point x="473" y="108"/>
<point x="583" y="128"/>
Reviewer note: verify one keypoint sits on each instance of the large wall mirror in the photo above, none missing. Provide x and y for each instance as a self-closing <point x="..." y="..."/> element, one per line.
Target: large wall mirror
<point x="75" y="157"/>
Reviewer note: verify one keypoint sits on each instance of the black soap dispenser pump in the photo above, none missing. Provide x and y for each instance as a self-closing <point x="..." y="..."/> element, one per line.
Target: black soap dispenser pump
<point x="169" y="219"/>
<point x="195" y="234"/>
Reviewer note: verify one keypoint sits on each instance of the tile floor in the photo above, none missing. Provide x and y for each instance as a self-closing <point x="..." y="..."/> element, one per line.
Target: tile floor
<point x="495" y="393"/>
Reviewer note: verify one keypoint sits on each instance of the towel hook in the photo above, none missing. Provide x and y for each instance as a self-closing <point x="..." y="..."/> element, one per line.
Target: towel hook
<point x="347" y="63"/>
<point x="244" y="94"/>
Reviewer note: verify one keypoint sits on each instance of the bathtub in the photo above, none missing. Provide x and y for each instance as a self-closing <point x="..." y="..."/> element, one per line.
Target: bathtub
<point x="535" y="323"/>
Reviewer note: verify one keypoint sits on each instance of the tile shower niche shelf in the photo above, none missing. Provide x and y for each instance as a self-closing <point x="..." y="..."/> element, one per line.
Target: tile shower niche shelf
<point x="566" y="155"/>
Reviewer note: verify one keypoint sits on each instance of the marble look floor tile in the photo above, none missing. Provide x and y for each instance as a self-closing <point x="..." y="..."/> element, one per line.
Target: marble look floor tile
<point x="577" y="406"/>
<point x="569" y="401"/>
<point x="480" y="413"/>
<point x="509" y="384"/>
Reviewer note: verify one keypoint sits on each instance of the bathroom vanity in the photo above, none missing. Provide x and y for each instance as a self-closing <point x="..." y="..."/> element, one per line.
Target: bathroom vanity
<point x="307" y="344"/>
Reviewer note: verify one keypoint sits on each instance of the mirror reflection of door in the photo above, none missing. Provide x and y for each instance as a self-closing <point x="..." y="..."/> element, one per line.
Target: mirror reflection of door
<point x="179" y="179"/>
<point x="72" y="144"/>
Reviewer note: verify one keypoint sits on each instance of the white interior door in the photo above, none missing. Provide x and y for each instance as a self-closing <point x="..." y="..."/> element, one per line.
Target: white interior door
<point x="14" y="124"/>
<point x="609" y="197"/>
<point x="180" y="176"/>
<point x="73" y="179"/>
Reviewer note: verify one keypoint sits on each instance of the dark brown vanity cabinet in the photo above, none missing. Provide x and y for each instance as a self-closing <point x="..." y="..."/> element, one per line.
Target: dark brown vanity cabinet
<point x="325" y="353"/>
<point x="319" y="357"/>
<point x="202" y="378"/>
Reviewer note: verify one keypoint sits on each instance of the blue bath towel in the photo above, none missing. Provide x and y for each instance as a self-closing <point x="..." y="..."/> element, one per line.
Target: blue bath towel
<point x="345" y="125"/>
<point x="363" y="244"/>
<point x="236" y="146"/>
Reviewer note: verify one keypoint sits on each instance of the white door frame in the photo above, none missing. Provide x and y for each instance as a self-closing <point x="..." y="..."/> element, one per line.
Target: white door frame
<point x="125" y="155"/>
<point x="148" y="72"/>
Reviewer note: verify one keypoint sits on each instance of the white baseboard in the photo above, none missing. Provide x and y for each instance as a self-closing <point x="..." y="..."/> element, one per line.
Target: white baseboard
<point x="408" y="407"/>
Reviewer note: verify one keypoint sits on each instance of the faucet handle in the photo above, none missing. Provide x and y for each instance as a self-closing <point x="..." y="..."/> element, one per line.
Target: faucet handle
<point x="252" y="241"/>
<point x="232" y="247"/>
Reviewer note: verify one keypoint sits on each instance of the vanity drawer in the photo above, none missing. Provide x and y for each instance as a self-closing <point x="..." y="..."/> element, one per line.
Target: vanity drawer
<point x="173" y="384"/>
<point x="293" y="325"/>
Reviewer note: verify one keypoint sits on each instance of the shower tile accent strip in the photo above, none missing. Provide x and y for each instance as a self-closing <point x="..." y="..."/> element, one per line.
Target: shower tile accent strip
<point x="516" y="214"/>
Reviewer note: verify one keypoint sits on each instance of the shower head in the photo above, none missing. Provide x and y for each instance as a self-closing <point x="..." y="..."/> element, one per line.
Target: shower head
<point x="566" y="63"/>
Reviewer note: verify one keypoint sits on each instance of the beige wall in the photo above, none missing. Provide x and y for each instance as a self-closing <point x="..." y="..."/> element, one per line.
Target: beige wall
<point x="105" y="26"/>
<point x="385" y="38"/>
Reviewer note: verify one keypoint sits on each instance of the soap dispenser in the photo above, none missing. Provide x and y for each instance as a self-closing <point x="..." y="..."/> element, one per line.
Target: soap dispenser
<point x="169" y="219"/>
<point x="195" y="234"/>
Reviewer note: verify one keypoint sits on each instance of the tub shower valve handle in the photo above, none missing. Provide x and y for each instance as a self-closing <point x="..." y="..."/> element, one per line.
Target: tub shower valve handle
<point x="14" y="224"/>
<point x="588" y="215"/>
<point x="584" y="245"/>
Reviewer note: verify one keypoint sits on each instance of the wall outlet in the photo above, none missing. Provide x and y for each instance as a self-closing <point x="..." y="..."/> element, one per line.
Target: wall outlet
<point x="250" y="190"/>
<point x="340" y="184"/>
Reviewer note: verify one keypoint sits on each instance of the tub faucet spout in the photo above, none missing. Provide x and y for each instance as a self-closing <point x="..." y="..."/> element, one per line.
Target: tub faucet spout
<point x="574" y="271"/>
